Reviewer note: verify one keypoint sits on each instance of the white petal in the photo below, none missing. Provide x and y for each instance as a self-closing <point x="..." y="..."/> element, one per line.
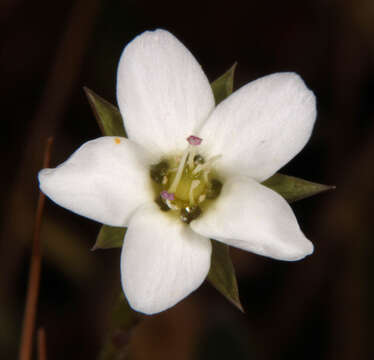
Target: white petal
<point x="106" y="179"/>
<point x="162" y="260"/>
<point x="252" y="217"/>
<point x="162" y="92"/>
<point x="262" y="126"/>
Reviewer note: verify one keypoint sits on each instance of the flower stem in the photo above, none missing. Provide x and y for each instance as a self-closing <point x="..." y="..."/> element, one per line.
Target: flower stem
<point x="123" y="321"/>
<point x="42" y="344"/>
<point x="34" y="273"/>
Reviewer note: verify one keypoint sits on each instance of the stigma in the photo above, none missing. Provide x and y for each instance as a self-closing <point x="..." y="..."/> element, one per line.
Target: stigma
<point x="186" y="184"/>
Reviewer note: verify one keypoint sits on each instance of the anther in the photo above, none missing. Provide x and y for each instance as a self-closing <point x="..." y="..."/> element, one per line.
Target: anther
<point x="214" y="189"/>
<point x="190" y="213"/>
<point x="198" y="159"/>
<point x="161" y="203"/>
<point x="206" y="166"/>
<point x="167" y="195"/>
<point x="158" y="171"/>
<point x="194" y="140"/>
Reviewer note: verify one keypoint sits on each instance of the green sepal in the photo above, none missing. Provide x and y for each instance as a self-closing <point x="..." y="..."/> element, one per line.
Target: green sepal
<point x="224" y="85"/>
<point x="110" y="123"/>
<point x="109" y="237"/>
<point x="117" y="339"/>
<point x="293" y="188"/>
<point x="107" y="115"/>
<point x="222" y="274"/>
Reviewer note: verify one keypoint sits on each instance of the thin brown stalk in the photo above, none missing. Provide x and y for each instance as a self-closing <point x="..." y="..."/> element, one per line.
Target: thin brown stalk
<point x="42" y="344"/>
<point x="34" y="273"/>
<point x="60" y="83"/>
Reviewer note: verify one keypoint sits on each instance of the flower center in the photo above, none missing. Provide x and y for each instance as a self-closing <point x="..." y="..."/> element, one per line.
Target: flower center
<point x="186" y="184"/>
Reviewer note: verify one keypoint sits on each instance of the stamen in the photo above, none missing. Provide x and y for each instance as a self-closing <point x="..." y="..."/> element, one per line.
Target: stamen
<point x="194" y="185"/>
<point x="191" y="157"/>
<point x="197" y="169"/>
<point x="158" y="171"/>
<point x="188" y="213"/>
<point x="161" y="203"/>
<point x="206" y="174"/>
<point x="198" y="159"/>
<point x="194" y="140"/>
<point x="202" y="198"/>
<point x="171" y="206"/>
<point x="178" y="176"/>
<point x="167" y="195"/>
<point x="206" y="166"/>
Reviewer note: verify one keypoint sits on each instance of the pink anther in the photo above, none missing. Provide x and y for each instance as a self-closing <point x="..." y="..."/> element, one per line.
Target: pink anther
<point x="167" y="196"/>
<point x="194" y="140"/>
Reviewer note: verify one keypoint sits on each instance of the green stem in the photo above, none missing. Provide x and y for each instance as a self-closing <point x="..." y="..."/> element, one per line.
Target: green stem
<point x="123" y="321"/>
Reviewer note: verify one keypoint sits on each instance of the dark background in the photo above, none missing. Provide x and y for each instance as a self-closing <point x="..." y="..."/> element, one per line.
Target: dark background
<point x="319" y="308"/>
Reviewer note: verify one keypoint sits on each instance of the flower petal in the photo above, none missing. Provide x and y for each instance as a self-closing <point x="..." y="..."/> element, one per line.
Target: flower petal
<point x="162" y="260"/>
<point x="106" y="179"/>
<point x="252" y="217"/>
<point x="162" y="92"/>
<point x="262" y="126"/>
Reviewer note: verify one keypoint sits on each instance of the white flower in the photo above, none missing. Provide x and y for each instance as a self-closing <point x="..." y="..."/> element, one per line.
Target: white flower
<point x="189" y="171"/>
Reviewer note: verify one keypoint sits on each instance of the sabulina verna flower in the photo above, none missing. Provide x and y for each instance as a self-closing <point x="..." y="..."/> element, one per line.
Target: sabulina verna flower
<point x="189" y="171"/>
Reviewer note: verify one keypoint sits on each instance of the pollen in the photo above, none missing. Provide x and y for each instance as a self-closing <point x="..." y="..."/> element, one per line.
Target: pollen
<point x="117" y="140"/>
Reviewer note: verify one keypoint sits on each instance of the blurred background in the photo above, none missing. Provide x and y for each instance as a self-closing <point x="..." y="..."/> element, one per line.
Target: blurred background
<point x="319" y="308"/>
